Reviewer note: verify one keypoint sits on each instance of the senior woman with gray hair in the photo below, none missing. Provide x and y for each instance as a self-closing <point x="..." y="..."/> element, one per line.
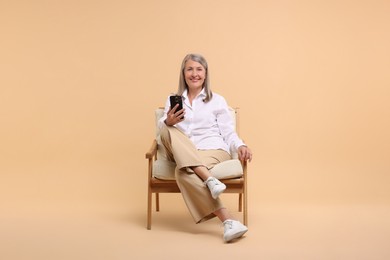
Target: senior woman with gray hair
<point x="197" y="137"/>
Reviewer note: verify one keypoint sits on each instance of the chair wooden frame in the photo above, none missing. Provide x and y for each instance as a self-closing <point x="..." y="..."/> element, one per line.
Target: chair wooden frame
<point x="157" y="186"/>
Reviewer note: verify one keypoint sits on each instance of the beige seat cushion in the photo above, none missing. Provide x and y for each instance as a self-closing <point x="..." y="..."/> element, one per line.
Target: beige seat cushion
<point x="165" y="170"/>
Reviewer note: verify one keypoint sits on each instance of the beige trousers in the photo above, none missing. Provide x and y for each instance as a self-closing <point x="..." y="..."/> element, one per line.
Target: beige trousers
<point x="180" y="149"/>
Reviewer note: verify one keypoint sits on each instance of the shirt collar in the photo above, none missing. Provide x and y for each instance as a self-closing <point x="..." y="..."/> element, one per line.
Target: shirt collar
<point x="201" y="94"/>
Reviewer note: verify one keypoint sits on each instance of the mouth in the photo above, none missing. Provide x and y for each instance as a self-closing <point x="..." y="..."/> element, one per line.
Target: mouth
<point x="195" y="80"/>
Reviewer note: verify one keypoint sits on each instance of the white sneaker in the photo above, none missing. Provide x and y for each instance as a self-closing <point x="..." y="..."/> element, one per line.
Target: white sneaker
<point x="215" y="186"/>
<point x="233" y="229"/>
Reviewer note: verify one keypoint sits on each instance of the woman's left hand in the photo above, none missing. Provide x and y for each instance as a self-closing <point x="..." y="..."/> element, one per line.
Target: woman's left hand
<point x="244" y="153"/>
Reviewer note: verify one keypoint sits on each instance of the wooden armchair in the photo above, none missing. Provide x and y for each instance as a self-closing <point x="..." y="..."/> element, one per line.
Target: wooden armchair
<point x="161" y="177"/>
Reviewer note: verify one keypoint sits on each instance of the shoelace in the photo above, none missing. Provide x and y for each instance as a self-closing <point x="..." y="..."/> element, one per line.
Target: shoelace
<point x="228" y="224"/>
<point x="210" y="180"/>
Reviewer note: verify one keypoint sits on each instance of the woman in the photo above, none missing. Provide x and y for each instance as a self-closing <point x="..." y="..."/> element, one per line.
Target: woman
<point x="198" y="137"/>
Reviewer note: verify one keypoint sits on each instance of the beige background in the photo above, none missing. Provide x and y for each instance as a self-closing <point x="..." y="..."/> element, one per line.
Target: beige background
<point x="80" y="80"/>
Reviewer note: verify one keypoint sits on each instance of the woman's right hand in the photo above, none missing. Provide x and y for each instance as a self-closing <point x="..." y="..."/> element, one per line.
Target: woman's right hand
<point x="174" y="117"/>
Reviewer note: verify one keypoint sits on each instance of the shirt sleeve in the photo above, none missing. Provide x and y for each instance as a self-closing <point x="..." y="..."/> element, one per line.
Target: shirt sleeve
<point x="226" y="127"/>
<point x="161" y="123"/>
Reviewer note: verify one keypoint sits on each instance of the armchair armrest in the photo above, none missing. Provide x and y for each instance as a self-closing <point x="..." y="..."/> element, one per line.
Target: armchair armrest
<point x="152" y="151"/>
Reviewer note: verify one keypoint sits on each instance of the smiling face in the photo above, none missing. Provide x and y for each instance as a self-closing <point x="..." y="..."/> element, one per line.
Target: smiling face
<point x="194" y="74"/>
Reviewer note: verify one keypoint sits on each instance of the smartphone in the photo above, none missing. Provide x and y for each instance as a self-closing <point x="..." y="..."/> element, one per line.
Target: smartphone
<point x="176" y="100"/>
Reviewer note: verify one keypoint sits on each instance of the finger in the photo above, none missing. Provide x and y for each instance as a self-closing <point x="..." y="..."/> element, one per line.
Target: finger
<point x="180" y="115"/>
<point x="247" y="156"/>
<point x="173" y="109"/>
<point x="241" y="154"/>
<point x="181" y="111"/>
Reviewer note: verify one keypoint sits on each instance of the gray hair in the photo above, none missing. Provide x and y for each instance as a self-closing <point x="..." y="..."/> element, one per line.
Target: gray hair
<point x="182" y="82"/>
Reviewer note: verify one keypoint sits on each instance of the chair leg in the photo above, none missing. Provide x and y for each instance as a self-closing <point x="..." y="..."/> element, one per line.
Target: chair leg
<point x="149" y="217"/>
<point x="157" y="201"/>
<point x="245" y="194"/>
<point x="240" y="202"/>
<point x="245" y="213"/>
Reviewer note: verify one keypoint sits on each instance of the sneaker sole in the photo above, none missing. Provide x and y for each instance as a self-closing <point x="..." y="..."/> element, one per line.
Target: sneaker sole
<point x="235" y="236"/>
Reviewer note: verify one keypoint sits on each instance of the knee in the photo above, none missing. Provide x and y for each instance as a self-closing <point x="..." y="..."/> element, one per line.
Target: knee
<point x="186" y="177"/>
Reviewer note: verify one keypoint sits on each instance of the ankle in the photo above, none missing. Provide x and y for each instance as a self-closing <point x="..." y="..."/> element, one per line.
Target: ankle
<point x="208" y="179"/>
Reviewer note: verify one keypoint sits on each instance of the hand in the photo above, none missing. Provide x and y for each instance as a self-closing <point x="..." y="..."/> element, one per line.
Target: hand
<point x="174" y="117"/>
<point x="244" y="153"/>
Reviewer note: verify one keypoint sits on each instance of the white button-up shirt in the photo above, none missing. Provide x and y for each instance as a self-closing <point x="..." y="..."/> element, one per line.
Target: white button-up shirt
<point x="208" y="124"/>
